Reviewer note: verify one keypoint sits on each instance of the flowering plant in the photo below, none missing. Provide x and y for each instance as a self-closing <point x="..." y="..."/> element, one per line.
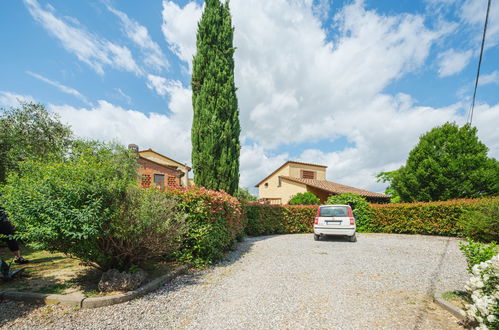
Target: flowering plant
<point x="483" y="286"/>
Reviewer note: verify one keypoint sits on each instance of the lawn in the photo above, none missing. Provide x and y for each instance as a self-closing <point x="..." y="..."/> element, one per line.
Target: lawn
<point x="54" y="273"/>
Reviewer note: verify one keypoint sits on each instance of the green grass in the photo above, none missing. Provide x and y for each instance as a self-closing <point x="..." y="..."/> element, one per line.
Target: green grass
<point x="458" y="298"/>
<point x="54" y="289"/>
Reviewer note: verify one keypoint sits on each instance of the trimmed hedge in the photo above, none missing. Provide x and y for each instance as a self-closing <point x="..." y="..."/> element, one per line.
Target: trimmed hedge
<point x="430" y="218"/>
<point x="262" y="219"/>
<point x="214" y="221"/>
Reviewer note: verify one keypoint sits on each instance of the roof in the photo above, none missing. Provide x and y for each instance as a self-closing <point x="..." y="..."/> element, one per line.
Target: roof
<point x="286" y="163"/>
<point x="173" y="160"/>
<point x="334" y="187"/>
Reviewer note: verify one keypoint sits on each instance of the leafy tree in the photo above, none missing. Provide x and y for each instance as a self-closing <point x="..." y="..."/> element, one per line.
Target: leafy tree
<point x="306" y="198"/>
<point x="215" y="125"/>
<point x="448" y="162"/>
<point x="244" y="194"/>
<point x="388" y="177"/>
<point x="30" y="132"/>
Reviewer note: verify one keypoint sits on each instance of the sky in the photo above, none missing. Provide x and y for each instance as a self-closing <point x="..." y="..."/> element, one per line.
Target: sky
<point x="347" y="84"/>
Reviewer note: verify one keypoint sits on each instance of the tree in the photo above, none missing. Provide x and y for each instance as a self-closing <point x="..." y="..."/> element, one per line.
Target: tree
<point x="30" y="132"/>
<point x="243" y="194"/>
<point x="215" y="124"/>
<point x="448" y="162"/>
<point x="388" y="177"/>
<point x="306" y="198"/>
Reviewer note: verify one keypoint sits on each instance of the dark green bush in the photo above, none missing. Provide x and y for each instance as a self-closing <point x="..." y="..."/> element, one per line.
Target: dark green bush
<point x="306" y="198"/>
<point x="476" y="252"/>
<point x="360" y="208"/>
<point x="481" y="223"/>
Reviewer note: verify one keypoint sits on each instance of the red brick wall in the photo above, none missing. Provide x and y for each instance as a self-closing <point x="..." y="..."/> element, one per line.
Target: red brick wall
<point x="147" y="170"/>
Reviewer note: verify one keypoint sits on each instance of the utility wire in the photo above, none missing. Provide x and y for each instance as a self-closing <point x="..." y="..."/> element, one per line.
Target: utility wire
<point x="479" y="62"/>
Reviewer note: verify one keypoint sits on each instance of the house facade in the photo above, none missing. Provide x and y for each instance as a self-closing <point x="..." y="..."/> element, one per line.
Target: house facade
<point x="292" y="178"/>
<point x="160" y="169"/>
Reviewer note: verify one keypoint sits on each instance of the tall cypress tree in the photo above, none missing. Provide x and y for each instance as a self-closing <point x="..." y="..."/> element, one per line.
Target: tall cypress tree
<point x="215" y="125"/>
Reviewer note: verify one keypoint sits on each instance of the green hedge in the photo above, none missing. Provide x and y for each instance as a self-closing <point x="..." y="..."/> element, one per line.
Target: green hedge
<point x="431" y="218"/>
<point x="262" y="219"/>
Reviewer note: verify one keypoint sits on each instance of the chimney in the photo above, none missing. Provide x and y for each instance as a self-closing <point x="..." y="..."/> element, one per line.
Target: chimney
<point x="133" y="147"/>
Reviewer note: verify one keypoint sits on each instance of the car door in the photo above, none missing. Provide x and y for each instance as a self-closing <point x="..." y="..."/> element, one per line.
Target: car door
<point x="334" y="216"/>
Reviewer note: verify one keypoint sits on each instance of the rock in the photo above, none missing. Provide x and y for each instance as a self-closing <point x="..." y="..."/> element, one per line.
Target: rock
<point x="114" y="280"/>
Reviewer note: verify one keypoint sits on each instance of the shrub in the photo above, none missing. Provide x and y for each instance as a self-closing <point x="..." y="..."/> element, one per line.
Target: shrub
<point x="432" y="218"/>
<point x="481" y="223"/>
<point x="306" y="198"/>
<point x="243" y="195"/>
<point x="69" y="205"/>
<point x="360" y="208"/>
<point x="148" y="226"/>
<point x="476" y="252"/>
<point x="483" y="286"/>
<point x="214" y="223"/>
<point x="264" y="219"/>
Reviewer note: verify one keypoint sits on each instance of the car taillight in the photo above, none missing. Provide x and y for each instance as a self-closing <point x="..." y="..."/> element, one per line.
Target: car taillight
<point x="317" y="216"/>
<point x="350" y="214"/>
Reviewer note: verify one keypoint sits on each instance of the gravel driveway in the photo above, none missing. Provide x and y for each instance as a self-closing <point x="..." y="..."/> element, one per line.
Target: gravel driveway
<point x="289" y="281"/>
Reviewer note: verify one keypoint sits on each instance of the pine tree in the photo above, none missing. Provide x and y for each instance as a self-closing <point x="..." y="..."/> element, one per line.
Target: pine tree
<point x="215" y="125"/>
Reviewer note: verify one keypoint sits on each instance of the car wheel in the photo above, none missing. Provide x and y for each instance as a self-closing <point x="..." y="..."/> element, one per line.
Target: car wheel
<point x="316" y="237"/>
<point x="353" y="238"/>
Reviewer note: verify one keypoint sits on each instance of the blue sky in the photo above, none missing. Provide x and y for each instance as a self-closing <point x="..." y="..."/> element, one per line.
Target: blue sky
<point x="348" y="84"/>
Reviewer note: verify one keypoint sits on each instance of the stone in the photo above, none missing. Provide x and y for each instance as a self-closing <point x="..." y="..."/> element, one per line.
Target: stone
<point x="114" y="280"/>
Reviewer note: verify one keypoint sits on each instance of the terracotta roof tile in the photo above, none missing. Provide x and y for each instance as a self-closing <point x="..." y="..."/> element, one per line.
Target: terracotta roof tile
<point x="334" y="187"/>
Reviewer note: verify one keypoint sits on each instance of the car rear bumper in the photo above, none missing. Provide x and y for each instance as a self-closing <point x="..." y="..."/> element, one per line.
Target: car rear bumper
<point x="320" y="230"/>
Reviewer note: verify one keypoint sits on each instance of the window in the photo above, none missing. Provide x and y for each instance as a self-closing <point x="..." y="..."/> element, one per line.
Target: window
<point x="334" y="211"/>
<point x="172" y="181"/>
<point x="159" y="180"/>
<point x="307" y="174"/>
<point x="146" y="180"/>
<point x="266" y="184"/>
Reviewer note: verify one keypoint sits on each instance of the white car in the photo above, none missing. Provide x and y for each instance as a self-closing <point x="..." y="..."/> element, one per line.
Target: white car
<point x="337" y="220"/>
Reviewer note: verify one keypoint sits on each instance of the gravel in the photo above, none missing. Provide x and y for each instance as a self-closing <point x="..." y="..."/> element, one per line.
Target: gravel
<point x="288" y="281"/>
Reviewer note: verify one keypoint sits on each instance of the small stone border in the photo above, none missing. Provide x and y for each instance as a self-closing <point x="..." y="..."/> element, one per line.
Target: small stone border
<point x="454" y="310"/>
<point x="93" y="302"/>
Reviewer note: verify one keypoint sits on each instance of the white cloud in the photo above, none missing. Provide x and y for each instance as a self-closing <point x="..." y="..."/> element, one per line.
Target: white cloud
<point x="9" y="99"/>
<point x="491" y="78"/>
<point x="179" y="28"/>
<point x="161" y="85"/>
<point x="88" y="48"/>
<point x="61" y="87"/>
<point x="452" y="62"/>
<point x="139" y="34"/>
<point x="473" y="13"/>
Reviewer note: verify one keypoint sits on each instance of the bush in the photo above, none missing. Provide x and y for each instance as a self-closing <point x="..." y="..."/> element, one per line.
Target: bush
<point x="481" y="223"/>
<point x="214" y="223"/>
<point x="476" y="252"/>
<point x="432" y="218"/>
<point x="306" y="198"/>
<point x="483" y="287"/>
<point x="264" y="219"/>
<point x="74" y="206"/>
<point x="148" y="226"/>
<point x="360" y="208"/>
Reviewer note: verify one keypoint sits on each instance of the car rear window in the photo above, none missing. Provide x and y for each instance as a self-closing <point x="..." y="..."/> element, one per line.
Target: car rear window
<point x="334" y="211"/>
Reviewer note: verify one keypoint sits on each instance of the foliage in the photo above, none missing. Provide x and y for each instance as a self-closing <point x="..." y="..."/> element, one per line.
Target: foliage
<point x="388" y="177"/>
<point x="481" y="223"/>
<point x="243" y="194"/>
<point x="483" y="312"/>
<point x="431" y="218"/>
<point x="69" y="204"/>
<point x="476" y="252"/>
<point x="448" y="162"/>
<point x="148" y="226"/>
<point x="30" y="132"/>
<point x="6" y="272"/>
<point x="264" y="219"/>
<point x="215" y="126"/>
<point x="360" y="208"/>
<point x="214" y="223"/>
<point x="306" y="198"/>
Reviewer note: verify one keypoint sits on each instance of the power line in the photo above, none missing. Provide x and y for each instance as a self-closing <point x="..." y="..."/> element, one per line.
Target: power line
<point x="479" y="62"/>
